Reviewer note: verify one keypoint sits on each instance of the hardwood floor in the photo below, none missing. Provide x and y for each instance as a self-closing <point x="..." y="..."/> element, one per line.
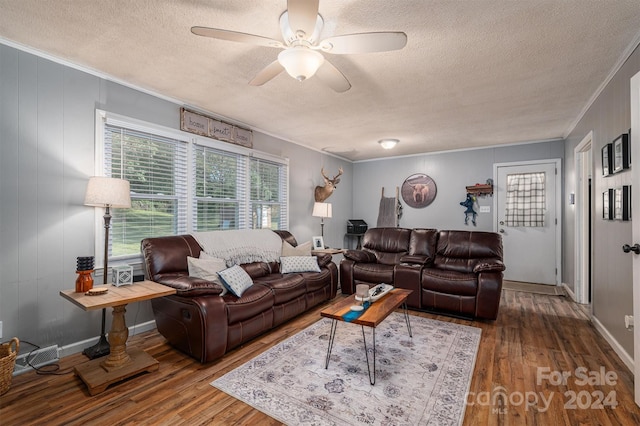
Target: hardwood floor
<point x="535" y="340"/>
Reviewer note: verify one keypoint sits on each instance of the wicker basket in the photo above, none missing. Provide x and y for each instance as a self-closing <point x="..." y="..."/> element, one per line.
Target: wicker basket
<point x="7" y="362"/>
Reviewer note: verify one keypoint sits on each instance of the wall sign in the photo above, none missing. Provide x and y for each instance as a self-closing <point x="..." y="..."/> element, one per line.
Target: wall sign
<point x="200" y="124"/>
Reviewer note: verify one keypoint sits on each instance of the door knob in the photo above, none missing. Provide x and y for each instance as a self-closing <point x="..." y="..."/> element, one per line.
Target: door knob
<point x="634" y="248"/>
<point x="502" y="222"/>
<point x="502" y="232"/>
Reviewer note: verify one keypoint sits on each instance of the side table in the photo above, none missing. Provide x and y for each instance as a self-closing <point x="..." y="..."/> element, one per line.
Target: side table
<point x="120" y="364"/>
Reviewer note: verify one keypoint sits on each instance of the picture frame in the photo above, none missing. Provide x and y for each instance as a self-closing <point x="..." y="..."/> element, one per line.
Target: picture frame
<point x="607" y="166"/>
<point x="607" y="204"/>
<point x="621" y="153"/>
<point x="625" y="202"/>
<point x="318" y="243"/>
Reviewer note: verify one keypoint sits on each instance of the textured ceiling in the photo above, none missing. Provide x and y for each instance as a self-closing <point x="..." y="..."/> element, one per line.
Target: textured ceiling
<point x="473" y="73"/>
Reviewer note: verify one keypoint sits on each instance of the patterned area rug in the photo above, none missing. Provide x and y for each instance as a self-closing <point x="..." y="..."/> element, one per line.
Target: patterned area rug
<point x="420" y="381"/>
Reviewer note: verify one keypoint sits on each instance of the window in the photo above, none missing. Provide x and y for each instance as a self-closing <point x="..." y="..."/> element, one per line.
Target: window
<point x="268" y="195"/>
<point x="156" y="170"/>
<point x="181" y="184"/>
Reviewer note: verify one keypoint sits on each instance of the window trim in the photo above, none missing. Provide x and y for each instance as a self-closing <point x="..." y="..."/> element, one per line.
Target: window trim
<point x="103" y="118"/>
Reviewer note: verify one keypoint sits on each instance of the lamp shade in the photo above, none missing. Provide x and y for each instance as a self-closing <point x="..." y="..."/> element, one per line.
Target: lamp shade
<point x="300" y="62"/>
<point x="108" y="192"/>
<point x="321" y="210"/>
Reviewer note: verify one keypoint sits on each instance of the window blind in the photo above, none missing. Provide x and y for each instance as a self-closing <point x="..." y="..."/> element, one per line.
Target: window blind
<point x="156" y="168"/>
<point x="219" y="185"/>
<point x="268" y="199"/>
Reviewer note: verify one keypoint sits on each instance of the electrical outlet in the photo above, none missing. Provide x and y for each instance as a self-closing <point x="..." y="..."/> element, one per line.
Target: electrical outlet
<point x="0" y="329"/>
<point x="628" y="321"/>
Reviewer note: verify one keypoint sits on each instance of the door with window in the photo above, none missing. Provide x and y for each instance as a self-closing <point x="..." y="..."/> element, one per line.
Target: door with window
<point x="527" y="216"/>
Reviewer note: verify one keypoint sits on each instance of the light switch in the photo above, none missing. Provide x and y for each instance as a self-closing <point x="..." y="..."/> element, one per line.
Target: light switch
<point x="485" y="209"/>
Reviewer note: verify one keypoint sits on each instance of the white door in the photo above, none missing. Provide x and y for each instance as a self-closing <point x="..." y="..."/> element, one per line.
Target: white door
<point x="635" y="210"/>
<point x="527" y="215"/>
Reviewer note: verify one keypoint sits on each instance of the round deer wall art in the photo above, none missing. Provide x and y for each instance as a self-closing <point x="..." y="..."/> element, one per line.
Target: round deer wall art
<point x="419" y="190"/>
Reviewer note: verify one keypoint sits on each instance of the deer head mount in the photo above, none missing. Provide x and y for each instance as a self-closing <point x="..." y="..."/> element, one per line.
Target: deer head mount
<point x="323" y="192"/>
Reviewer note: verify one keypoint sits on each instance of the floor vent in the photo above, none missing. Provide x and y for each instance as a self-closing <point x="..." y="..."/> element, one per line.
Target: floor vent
<point x="37" y="358"/>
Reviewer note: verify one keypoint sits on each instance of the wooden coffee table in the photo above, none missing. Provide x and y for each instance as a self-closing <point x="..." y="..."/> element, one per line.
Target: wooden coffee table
<point x="120" y="364"/>
<point x="371" y="317"/>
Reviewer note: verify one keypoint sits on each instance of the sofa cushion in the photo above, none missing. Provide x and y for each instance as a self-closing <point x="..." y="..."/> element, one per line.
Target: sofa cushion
<point x="291" y="264"/>
<point x="450" y="282"/>
<point x="256" y="300"/>
<point x="284" y="287"/>
<point x="388" y="244"/>
<point x="423" y="243"/>
<point x="462" y="250"/>
<point x="207" y="269"/>
<point x="303" y="249"/>
<point x="236" y="280"/>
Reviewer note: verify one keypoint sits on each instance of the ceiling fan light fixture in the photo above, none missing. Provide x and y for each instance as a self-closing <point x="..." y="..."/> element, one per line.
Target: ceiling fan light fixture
<point x="388" y="143"/>
<point x="300" y="62"/>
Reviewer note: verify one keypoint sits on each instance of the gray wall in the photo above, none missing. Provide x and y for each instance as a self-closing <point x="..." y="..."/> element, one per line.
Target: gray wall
<point x="452" y="172"/>
<point x="612" y="279"/>
<point x="47" y="120"/>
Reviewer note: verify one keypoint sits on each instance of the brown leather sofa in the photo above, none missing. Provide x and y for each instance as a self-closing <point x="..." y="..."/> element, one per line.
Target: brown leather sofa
<point x="205" y="325"/>
<point x="452" y="272"/>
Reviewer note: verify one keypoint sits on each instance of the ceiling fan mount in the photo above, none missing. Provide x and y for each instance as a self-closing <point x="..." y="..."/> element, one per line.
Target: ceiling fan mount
<point x="301" y="26"/>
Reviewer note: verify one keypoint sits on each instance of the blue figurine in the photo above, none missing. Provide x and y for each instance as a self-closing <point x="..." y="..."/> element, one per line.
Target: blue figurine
<point x="468" y="203"/>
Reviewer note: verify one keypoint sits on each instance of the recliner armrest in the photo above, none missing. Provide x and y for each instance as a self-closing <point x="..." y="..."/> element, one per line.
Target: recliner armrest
<point x="360" y="256"/>
<point x="323" y="259"/>
<point x="188" y="286"/>
<point x="416" y="259"/>
<point x="489" y="265"/>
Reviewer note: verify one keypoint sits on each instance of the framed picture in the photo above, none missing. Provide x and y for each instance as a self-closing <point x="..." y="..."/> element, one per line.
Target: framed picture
<point x="621" y="153"/>
<point x="606" y="160"/>
<point x="625" y="202"/>
<point x="607" y="204"/>
<point x="318" y="243"/>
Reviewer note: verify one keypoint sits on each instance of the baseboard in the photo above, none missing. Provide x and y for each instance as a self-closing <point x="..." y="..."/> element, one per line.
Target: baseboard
<point x="76" y="347"/>
<point x="619" y="350"/>
<point x="569" y="292"/>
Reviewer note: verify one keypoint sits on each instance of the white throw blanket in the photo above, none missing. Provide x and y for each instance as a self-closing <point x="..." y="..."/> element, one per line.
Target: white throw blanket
<point x="238" y="246"/>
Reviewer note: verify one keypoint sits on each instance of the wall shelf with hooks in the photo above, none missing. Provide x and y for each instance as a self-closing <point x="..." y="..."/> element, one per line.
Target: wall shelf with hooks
<point x="480" y="189"/>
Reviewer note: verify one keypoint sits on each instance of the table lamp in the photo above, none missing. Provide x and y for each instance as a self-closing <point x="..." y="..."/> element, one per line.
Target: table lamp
<point x="107" y="193"/>
<point x="321" y="210"/>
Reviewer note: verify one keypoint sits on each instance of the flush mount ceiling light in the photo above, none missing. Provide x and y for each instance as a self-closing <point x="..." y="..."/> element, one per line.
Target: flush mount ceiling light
<point x="388" y="143"/>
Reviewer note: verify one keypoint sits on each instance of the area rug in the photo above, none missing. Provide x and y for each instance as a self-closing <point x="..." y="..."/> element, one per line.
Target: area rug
<point x="420" y="381"/>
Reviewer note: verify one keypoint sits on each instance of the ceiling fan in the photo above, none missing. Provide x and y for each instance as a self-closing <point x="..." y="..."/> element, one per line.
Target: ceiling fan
<point x="301" y="58"/>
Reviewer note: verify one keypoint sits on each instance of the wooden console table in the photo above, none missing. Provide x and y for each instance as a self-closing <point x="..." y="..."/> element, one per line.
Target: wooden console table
<point x="120" y="364"/>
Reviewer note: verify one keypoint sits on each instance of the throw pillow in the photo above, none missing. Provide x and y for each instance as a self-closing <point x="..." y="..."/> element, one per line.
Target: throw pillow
<point x="292" y="264"/>
<point x="303" y="249"/>
<point x="236" y="280"/>
<point x="207" y="268"/>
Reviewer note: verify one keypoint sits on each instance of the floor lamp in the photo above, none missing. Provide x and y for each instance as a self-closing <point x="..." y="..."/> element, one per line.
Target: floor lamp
<point x="321" y="210"/>
<point x="107" y="193"/>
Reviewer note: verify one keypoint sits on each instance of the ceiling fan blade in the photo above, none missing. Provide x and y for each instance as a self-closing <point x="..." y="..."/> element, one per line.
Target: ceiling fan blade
<point x="303" y="15"/>
<point x="267" y="73"/>
<point x="236" y="36"/>
<point x="332" y="77"/>
<point x="364" y="43"/>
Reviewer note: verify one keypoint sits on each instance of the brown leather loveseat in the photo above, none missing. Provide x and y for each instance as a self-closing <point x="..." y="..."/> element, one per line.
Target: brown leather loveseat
<point x="452" y="272"/>
<point x="200" y="322"/>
